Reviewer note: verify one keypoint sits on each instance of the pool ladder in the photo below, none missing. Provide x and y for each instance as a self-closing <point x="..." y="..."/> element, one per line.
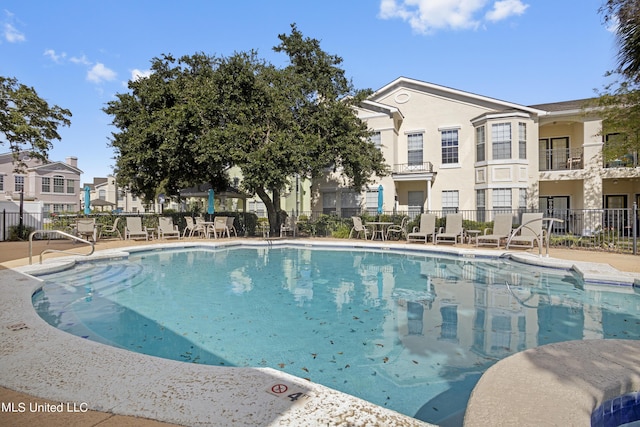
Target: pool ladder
<point x="60" y="233"/>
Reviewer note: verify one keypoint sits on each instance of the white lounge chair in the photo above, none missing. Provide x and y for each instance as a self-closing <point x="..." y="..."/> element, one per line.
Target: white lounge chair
<point x="427" y="229"/>
<point x="453" y="229"/>
<point x="134" y="228"/>
<point x="219" y="227"/>
<point x="286" y="227"/>
<point x="87" y="228"/>
<point x="531" y="231"/>
<point x="501" y="231"/>
<point x="166" y="229"/>
<point x="358" y="227"/>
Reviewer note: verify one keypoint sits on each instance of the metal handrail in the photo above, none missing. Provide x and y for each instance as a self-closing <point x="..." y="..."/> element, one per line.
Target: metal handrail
<point x="61" y="233"/>
<point x="538" y="237"/>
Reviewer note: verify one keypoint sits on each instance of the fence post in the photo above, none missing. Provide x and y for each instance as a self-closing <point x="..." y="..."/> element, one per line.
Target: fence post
<point x="634" y="228"/>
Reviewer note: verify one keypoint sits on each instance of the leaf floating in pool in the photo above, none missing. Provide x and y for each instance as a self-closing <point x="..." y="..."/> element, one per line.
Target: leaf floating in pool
<point x="314" y="355"/>
<point x="356" y="318"/>
<point x="282" y="365"/>
<point x="347" y="366"/>
<point x="85" y="336"/>
<point x="305" y="369"/>
<point x="341" y="352"/>
<point x="380" y="345"/>
<point x="385" y="360"/>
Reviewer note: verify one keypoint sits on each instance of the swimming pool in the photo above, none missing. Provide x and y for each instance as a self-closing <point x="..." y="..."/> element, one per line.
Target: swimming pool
<point x="412" y="332"/>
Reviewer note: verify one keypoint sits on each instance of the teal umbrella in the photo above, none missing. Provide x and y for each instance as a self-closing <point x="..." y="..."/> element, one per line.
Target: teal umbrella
<point x="210" y="208"/>
<point x="380" y="198"/>
<point x="87" y="200"/>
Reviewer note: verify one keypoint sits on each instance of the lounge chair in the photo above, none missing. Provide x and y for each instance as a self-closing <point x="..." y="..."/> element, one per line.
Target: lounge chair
<point x="399" y="230"/>
<point x="111" y="230"/>
<point x="427" y="229"/>
<point x="358" y="227"/>
<point x="453" y="229"/>
<point x="87" y="228"/>
<point x="530" y="232"/>
<point x="501" y="231"/>
<point x="134" y="228"/>
<point x="231" y="227"/>
<point x="166" y="229"/>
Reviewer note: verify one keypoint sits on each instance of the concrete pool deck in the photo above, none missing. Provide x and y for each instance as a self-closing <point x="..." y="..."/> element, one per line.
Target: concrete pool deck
<point x="30" y="347"/>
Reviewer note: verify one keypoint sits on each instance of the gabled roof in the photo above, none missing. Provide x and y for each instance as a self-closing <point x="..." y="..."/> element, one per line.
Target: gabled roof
<point x="564" y="106"/>
<point x="55" y="167"/>
<point x="447" y="92"/>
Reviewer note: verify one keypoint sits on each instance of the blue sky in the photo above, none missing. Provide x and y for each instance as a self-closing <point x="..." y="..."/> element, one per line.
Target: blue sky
<point x="78" y="54"/>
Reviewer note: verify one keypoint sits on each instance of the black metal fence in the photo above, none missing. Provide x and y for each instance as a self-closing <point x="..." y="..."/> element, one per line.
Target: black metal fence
<point x="614" y="230"/>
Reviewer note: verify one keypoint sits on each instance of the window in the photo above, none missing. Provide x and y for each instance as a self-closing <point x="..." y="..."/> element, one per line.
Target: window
<point x="46" y="184"/>
<point x="18" y="183"/>
<point x="450" y="201"/>
<point x="501" y="140"/>
<point x="349" y="203"/>
<point x="329" y="202"/>
<point x="502" y="198"/>
<point x="414" y="149"/>
<point x="522" y="140"/>
<point x="71" y="187"/>
<point x="416" y="203"/>
<point x="58" y="184"/>
<point x="481" y="204"/>
<point x="376" y="139"/>
<point x="450" y="146"/>
<point x="522" y="198"/>
<point x="371" y="201"/>
<point x="480" y="144"/>
<point x="102" y="194"/>
<point x="1" y="182"/>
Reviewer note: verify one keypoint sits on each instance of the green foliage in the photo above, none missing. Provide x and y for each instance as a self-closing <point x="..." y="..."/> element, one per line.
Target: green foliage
<point x="27" y="122"/>
<point x="19" y="233"/>
<point x="196" y="116"/>
<point x="341" y="231"/>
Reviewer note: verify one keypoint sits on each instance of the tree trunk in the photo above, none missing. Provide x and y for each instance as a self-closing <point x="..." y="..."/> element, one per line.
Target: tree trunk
<point x="272" y="204"/>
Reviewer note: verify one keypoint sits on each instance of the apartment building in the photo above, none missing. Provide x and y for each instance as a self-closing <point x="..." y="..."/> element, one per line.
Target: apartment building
<point x="451" y="150"/>
<point x="107" y="196"/>
<point x="56" y="185"/>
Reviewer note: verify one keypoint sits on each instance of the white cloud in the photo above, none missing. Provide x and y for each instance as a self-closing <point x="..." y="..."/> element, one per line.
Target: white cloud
<point x="138" y="74"/>
<point x="99" y="73"/>
<point x="428" y="16"/>
<point x="12" y="35"/>
<point x="55" y="57"/>
<point x="81" y="60"/>
<point x="506" y="8"/>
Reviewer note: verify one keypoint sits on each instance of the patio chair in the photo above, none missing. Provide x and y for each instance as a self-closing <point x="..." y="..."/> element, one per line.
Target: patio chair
<point x="358" y="227"/>
<point x="166" y="229"/>
<point x="193" y="227"/>
<point x="111" y="230"/>
<point x="453" y="229"/>
<point x="427" y="229"/>
<point x="219" y="227"/>
<point x="286" y="227"/>
<point x="530" y="233"/>
<point x="501" y="231"/>
<point x="87" y="228"/>
<point x="399" y="230"/>
<point x="231" y="227"/>
<point x="134" y="228"/>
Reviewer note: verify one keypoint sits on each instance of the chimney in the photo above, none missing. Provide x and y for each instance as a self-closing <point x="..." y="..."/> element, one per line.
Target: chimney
<point x="72" y="161"/>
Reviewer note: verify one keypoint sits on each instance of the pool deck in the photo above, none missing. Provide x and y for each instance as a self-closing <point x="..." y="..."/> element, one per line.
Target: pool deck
<point x="558" y="384"/>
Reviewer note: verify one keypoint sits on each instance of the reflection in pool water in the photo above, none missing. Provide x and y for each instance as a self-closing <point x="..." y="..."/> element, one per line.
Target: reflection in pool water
<point x="410" y="332"/>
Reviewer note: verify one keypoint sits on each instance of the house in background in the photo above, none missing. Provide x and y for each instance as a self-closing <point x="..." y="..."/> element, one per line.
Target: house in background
<point x="106" y="195"/>
<point x="54" y="184"/>
<point x="451" y="150"/>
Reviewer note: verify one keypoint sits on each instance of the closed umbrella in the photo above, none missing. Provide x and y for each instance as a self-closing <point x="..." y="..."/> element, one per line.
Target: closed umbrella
<point x="87" y="200"/>
<point x="210" y="208"/>
<point x="380" y="198"/>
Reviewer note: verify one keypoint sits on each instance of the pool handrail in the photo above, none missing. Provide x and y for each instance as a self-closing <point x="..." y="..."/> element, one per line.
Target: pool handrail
<point x="61" y="233"/>
<point x="540" y="237"/>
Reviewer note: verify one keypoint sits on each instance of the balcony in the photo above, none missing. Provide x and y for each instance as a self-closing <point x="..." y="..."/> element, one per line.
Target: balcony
<point x="558" y="159"/>
<point x="404" y="168"/>
<point x="627" y="161"/>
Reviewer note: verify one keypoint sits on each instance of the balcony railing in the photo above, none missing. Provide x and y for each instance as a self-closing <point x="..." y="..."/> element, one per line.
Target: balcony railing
<point x="561" y="159"/>
<point x="413" y="168"/>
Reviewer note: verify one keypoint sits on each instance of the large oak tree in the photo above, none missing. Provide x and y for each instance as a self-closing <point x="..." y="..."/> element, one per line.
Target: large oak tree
<point x="27" y="122"/>
<point x="195" y="117"/>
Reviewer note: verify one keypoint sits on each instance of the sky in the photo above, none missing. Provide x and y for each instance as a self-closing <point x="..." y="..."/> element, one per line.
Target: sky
<point x="78" y="54"/>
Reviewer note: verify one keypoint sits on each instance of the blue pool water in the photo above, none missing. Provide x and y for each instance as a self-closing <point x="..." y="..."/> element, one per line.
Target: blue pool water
<point x="410" y="332"/>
